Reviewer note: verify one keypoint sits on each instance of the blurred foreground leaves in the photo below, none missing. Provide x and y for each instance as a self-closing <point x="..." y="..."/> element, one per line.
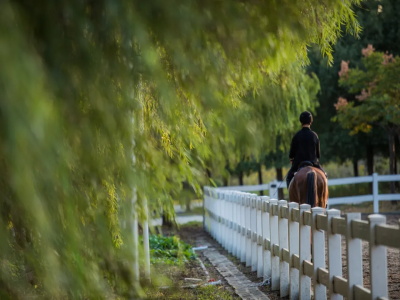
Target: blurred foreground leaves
<point x="103" y="102"/>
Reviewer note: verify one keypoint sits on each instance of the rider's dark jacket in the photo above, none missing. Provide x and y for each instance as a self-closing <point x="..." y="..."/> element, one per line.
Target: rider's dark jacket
<point x="304" y="147"/>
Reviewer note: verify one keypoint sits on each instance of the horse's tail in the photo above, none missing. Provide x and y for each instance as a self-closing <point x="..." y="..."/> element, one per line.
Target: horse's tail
<point x="311" y="188"/>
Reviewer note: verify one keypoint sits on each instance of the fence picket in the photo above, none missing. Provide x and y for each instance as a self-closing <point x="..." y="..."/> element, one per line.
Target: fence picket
<point x="248" y="231"/>
<point x="318" y="253"/>
<point x="293" y="250"/>
<point x="266" y="234"/>
<point x="235" y="218"/>
<point x="243" y="228"/>
<point x="354" y="257"/>
<point x="260" y="269"/>
<point x="334" y="254"/>
<point x="273" y="218"/>
<point x="304" y="253"/>
<point x="283" y="244"/>
<point x="378" y="266"/>
<point x="253" y="228"/>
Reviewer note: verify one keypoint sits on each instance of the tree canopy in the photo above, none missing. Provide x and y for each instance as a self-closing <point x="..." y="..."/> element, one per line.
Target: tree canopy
<point x="377" y="88"/>
<point x="106" y="103"/>
<point x="380" y="27"/>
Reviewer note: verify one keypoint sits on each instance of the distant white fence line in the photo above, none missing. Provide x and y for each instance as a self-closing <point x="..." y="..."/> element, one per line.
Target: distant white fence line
<point x="375" y="197"/>
<point x="273" y="237"/>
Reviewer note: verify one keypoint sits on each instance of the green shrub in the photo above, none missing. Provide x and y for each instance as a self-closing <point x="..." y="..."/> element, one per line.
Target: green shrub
<point x="170" y="250"/>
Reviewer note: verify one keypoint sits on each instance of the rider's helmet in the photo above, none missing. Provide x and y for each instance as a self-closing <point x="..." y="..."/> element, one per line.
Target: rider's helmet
<point x="306" y="117"/>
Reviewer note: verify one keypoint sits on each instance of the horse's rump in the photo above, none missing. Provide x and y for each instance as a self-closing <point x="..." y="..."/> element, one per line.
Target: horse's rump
<point x="309" y="185"/>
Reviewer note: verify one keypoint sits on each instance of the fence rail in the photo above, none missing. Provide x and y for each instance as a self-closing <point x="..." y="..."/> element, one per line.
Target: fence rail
<point x="273" y="237"/>
<point x="375" y="197"/>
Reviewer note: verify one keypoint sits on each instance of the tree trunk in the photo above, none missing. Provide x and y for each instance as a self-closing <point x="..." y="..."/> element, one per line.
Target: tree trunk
<point x="208" y="172"/>
<point x="166" y="221"/>
<point x="188" y="208"/>
<point x="396" y="170"/>
<point x="279" y="177"/>
<point x="355" y="167"/>
<point x="260" y="179"/>
<point x="392" y="161"/>
<point x="370" y="164"/>
<point x="240" y="176"/>
<point x="370" y="159"/>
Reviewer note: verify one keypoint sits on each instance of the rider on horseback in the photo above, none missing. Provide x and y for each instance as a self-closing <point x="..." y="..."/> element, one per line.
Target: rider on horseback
<point x="304" y="147"/>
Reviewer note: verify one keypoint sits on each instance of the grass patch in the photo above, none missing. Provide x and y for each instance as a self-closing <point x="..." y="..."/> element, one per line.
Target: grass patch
<point x="173" y="260"/>
<point x="169" y="250"/>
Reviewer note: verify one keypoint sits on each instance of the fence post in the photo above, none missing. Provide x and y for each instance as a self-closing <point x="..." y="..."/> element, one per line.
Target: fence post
<point x="266" y="233"/>
<point x="225" y="213"/>
<point x="273" y="189"/>
<point x="354" y="256"/>
<point x="304" y="253"/>
<point x="253" y="227"/>
<point x="375" y="192"/>
<point x="209" y="209"/>
<point x="273" y="210"/>
<point x="218" y="216"/>
<point x="233" y="222"/>
<point x="221" y="219"/>
<point x="248" y="231"/>
<point x="318" y="253"/>
<point x="235" y="225"/>
<point x="283" y="244"/>
<point x="230" y="223"/>
<point x="293" y="250"/>
<point x="260" y="270"/>
<point x="243" y="228"/>
<point x="214" y="210"/>
<point x="334" y="254"/>
<point x="378" y="260"/>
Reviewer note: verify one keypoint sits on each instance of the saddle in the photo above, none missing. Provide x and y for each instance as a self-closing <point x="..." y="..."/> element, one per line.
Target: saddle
<point x="305" y="163"/>
<point x="308" y="163"/>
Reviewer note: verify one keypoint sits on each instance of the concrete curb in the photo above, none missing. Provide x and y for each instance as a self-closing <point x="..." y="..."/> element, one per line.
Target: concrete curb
<point x="244" y="288"/>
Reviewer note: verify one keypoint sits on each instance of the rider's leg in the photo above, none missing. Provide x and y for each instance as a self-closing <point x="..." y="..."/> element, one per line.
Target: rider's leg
<point x="289" y="177"/>
<point x="319" y="167"/>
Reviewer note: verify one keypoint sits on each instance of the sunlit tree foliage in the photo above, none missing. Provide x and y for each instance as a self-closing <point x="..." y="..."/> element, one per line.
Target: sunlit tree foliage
<point x="380" y="22"/>
<point x="377" y="87"/>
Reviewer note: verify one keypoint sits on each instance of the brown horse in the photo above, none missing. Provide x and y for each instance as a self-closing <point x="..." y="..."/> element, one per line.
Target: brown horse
<point x="309" y="185"/>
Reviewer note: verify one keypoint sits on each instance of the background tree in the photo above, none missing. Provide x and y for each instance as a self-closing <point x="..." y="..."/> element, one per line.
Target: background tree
<point x="380" y="23"/>
<point x="378" y="101"/>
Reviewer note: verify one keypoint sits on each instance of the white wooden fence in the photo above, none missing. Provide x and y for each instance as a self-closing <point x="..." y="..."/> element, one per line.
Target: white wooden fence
<point x="273" y="237"/>
<point x="375" y="197"/>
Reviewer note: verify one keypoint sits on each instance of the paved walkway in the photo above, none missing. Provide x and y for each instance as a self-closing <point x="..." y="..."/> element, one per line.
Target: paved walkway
<point x="244" y="288"/>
